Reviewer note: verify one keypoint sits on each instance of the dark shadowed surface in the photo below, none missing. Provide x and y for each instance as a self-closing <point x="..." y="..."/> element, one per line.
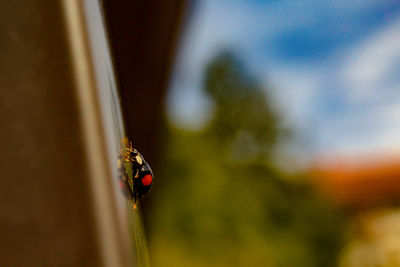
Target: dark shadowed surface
<point x="45" y="212"/>
<point x="143" y="37"/>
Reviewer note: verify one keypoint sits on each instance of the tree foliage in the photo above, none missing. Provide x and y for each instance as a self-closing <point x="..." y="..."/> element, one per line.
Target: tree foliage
<point x="219" y="202"/>
<point x="243" y="115"/>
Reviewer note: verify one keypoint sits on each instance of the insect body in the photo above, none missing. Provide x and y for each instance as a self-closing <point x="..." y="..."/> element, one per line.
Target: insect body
<point x="135" y="174"/>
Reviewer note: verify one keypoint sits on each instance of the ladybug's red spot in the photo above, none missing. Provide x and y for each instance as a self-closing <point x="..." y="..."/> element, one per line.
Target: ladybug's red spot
<point x="121" y="185"/>
<point x="147" y="179"/>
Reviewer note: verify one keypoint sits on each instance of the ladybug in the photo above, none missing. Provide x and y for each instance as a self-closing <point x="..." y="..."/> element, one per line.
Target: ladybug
<point x="135" y="174"/>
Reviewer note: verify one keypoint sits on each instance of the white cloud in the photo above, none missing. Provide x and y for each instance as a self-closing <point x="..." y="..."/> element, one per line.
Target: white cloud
<point x="367" y="119"/>
<point x="372" y="131"/>
<point x="367" y="66"/>
<point x="293" y="88"/>
<point x="371" y="122"/>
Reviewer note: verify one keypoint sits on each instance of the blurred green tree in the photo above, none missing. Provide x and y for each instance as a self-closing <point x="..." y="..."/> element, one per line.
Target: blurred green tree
<point x="220" y="202"/>
<point x="243" y="117"/>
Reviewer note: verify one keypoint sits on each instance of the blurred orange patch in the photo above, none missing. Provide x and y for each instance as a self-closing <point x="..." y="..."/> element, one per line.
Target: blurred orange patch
<point x="360" y="182"/>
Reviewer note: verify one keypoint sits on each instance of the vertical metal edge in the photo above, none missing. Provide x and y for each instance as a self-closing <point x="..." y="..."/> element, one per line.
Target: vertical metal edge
<point x="100" y="172"/>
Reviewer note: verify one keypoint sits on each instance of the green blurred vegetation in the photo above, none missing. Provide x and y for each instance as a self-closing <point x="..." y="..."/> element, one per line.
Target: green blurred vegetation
<point x="219" y="201"/>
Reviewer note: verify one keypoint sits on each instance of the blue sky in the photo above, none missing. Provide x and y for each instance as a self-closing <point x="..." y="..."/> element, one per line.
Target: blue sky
<point x="332" y="67"/>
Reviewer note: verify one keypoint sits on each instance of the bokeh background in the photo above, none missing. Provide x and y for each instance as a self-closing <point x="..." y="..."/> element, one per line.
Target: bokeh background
<point x="272" y="128"/>
<point x="280" y="137"/>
